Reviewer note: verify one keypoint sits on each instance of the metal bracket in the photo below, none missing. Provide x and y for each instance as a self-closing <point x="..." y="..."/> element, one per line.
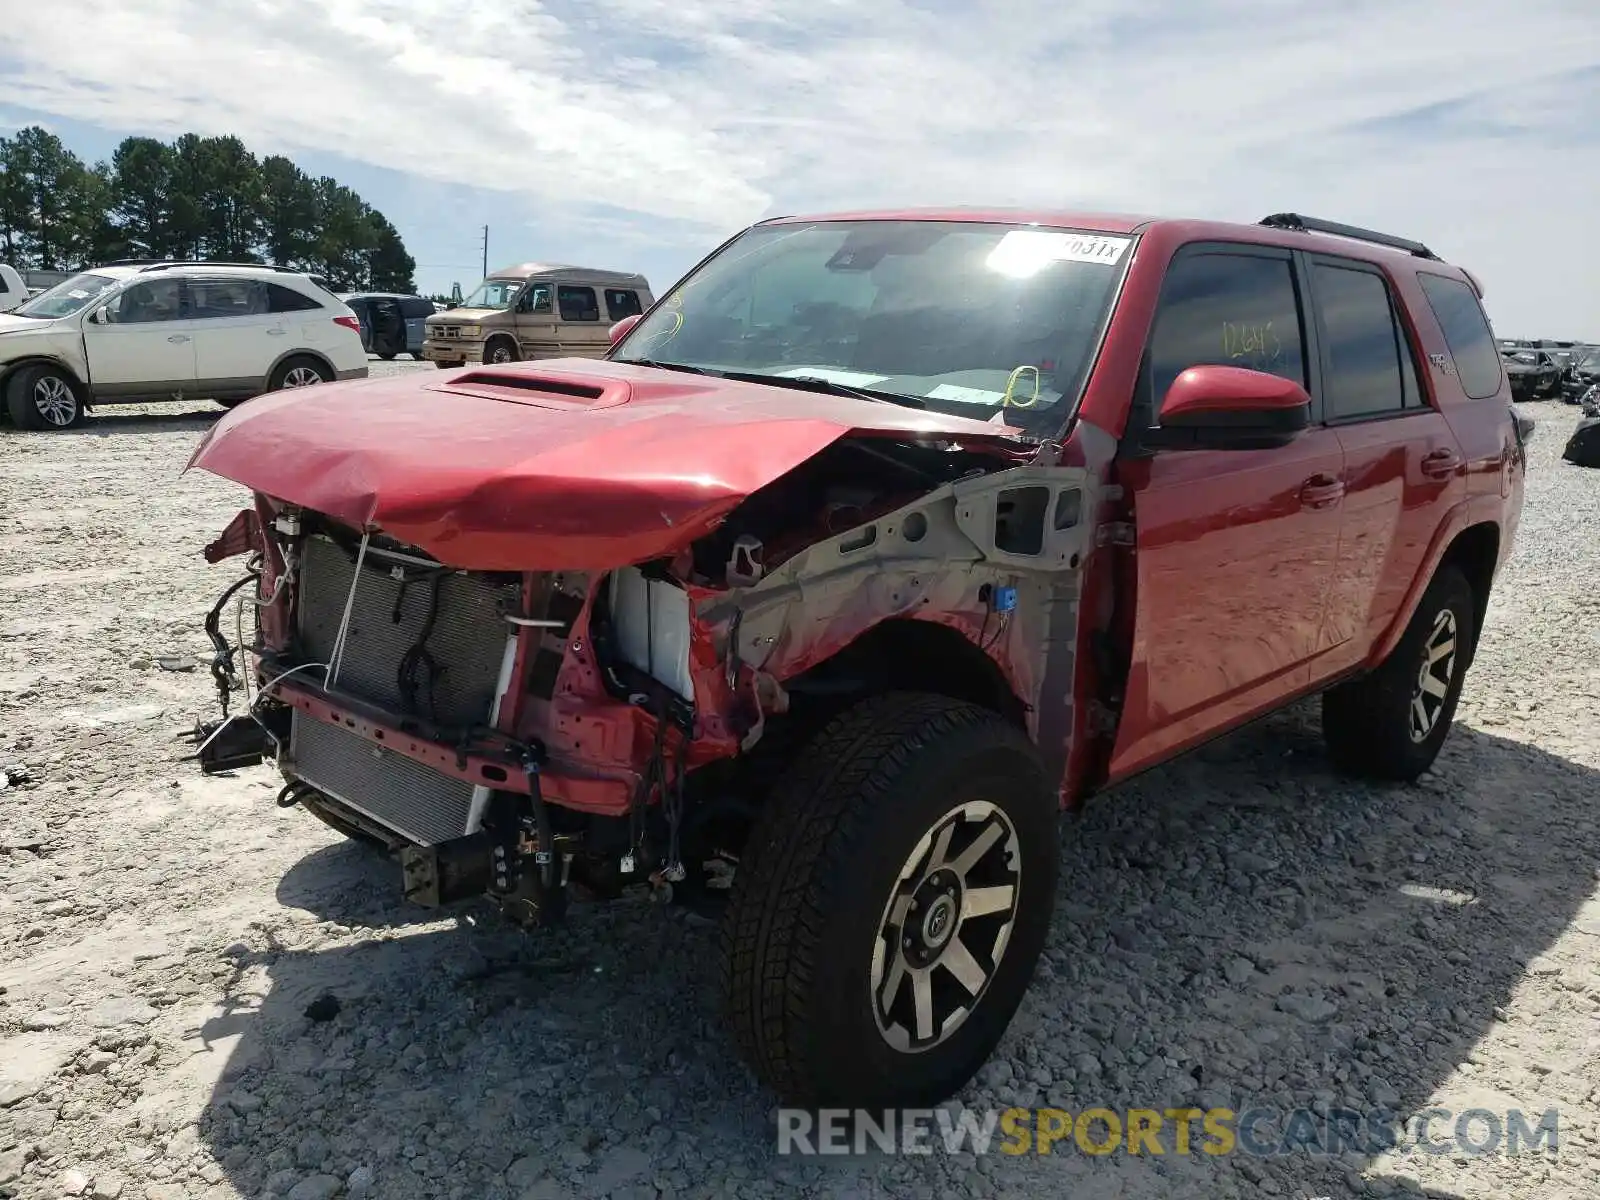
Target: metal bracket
<point x="1115" y="533"/>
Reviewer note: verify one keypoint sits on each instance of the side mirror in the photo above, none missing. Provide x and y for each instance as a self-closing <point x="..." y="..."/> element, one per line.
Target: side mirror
<point x="1230" y="408"/>
<point x="101" y="315"/>
<point x="621" y="328"/>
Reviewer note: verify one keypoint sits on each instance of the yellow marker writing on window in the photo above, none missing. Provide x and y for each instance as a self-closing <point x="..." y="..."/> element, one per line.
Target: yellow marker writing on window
<point x="658" y="340"/>
<point x="1011" y="400"/>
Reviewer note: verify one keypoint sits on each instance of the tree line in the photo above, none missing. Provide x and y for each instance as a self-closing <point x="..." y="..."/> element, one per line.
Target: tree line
<point x="193" y="198"/>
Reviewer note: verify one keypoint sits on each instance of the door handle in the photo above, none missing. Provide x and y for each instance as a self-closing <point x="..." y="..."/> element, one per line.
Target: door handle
<point x="276" y="332"/>
<point x="178" y="339"/>
<point x="1321" y="491"/>
<point x="1441" y="464"/>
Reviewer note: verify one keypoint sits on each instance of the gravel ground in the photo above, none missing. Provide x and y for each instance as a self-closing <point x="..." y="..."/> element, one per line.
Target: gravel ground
<point x="1241" y="928"/>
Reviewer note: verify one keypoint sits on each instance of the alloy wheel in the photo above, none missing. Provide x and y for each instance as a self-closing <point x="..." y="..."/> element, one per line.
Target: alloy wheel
<point x="946" y="926"/>
<point x="54" y="401"/>
<point x="301" y="377"/>
<point x="1434" y="676"/>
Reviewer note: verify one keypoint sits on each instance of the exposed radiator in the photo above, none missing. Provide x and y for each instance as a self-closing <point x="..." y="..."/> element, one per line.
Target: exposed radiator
<point x="467" y="641"/>
<point x="397" y="792"/>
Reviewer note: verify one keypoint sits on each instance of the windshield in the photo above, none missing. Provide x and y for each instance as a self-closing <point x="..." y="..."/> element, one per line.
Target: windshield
<point x="1589" y="365"/>
<point x="67" y="298"/>
<point x="1523" y="356"/>
<point x="493" y="293"/>
<point x="982" y="320"/>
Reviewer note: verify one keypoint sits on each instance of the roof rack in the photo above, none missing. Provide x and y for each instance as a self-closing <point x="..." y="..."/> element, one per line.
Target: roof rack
<point x="161" y="264"/>
<point x="1300" y="224"/>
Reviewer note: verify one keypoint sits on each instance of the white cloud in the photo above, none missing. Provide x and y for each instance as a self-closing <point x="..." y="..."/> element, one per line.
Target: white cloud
<point x="706" y="114"/>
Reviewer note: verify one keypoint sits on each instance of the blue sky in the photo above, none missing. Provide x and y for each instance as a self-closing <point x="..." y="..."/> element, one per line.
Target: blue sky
<point x="636" y="134"/>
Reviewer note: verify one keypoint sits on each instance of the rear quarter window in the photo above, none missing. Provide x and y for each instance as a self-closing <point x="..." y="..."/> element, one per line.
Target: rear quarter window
<point x="1466" y="332"/>
<point x="282" y="299"/>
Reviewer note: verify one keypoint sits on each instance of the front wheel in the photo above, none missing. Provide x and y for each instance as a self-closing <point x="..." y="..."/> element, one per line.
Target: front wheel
<point x="44" y="397"/>
<point x="891" y="904"/>
<point x="501" y="350"/>
<point x="1391" y="724"/>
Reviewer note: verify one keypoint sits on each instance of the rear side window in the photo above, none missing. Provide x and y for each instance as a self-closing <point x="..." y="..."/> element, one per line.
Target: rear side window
<point x="1467" y="333"/>
<point x="221" y="298"/>
<point x="1231" y="310"/>
<point x="621" y="303"/>
<point x="1365" y="349"/>
<point x="414" y="308"/>
<point x="577" y="303"/>
<point x="282" y="299"/>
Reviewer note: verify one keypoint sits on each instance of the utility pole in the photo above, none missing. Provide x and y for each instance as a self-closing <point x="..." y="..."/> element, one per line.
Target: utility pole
<point x="486" y="252"/>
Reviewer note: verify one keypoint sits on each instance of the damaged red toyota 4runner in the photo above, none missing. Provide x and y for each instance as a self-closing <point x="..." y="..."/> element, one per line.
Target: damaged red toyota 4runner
<point x="872" y="547"/>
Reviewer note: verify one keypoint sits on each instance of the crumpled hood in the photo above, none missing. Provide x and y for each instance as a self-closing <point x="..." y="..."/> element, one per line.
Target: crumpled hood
<point x="562" y="464"/>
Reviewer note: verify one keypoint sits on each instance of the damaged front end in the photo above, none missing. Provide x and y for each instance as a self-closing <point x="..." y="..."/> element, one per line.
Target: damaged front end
<point x="525" y="729"/>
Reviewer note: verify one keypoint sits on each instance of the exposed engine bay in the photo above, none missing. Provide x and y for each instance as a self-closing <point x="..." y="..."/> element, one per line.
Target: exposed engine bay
<point x="527" y="734"/>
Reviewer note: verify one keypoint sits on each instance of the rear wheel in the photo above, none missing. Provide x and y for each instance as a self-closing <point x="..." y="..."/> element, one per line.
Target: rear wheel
<point x="300" y="371"/>
<point x="44" y="397"/>
<point x="890" y="905"/>
<point x="1390" y="724"/>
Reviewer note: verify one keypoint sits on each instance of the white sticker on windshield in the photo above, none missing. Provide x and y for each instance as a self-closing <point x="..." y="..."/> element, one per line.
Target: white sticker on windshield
<point x="842" y="378"/>
<point x="77" y="293"/>
<point x="966" y="395"/>
<point x="1025" y="251"/>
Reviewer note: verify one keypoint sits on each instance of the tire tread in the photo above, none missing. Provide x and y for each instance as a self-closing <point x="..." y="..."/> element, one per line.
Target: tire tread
<point x="773" y="932"/>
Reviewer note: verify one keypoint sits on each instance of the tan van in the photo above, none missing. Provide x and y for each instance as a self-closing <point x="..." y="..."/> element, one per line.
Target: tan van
<point x="535" y="310"/>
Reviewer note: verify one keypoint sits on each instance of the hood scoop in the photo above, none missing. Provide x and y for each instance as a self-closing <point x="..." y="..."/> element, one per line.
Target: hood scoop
<point x="557" y="390"/>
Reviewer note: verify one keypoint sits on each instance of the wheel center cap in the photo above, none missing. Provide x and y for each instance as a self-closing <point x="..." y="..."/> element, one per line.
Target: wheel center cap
<point x="939" y="921"/>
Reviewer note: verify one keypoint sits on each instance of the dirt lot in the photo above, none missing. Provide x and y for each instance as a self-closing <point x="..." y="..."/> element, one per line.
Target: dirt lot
<point x="1239" y="929"/>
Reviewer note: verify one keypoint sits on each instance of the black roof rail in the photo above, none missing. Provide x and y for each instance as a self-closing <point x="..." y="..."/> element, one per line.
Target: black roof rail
<point x="1300" y="224"/>
<point x="162" y="264"/>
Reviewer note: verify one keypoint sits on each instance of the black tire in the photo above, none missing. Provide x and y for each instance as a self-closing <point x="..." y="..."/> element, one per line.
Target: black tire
<point x="500" y="350"/>
<point x="389" y="357"/>
<point x="35" y="397"/>
<point x="812" y="900"/>
<point x="1368" y="723"/>
<point x="291" y="369"/>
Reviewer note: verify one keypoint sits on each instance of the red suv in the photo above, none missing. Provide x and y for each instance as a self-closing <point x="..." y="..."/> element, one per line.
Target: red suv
<point x="875" y="544"/>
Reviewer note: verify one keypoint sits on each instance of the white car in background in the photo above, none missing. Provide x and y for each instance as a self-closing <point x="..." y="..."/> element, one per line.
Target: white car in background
<point x="132" y="333"/>
<point x="12" y="290"/>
